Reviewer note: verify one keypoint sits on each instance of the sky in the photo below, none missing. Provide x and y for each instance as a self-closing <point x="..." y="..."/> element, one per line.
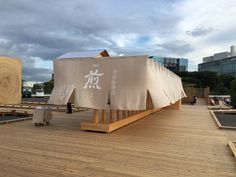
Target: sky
<point x="39" y="31"/>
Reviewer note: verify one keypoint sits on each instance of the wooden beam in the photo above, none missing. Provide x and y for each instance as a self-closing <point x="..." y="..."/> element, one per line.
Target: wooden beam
<point x="128" y="113"/>
<point x="94" y="127"/>
<point x="95" y="116"/>
<point x="232" y="147"/>
<point x="117" y="115"/>
<point x="104" y="114"/>
<point x="107" y="128"/>
<point x="216" y="120"/>
<point x="123" y="114"/>
<point x="176" y="105"/>
<point x="111" y="115"/>
<point x="128" y="120"/>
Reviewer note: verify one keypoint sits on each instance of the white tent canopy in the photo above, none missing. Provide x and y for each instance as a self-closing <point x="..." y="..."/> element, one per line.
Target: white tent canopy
<point x="114" y="82"/>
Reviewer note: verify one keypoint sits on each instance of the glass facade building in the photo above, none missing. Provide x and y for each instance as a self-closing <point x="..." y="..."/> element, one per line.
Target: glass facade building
<point x="223" y="66"/>
<point x="173" y="64"/>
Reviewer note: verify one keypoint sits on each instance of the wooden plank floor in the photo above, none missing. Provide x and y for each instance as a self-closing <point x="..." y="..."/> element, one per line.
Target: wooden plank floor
<point x="172" y="143"/>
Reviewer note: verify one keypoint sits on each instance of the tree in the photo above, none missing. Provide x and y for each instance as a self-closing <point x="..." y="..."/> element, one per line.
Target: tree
<point x="35" y="87"/>
<point x="226" y="80"/>
<point x="218" y="84"/>
<point x="199" y="79"/>
<point x="206" y="79"/>
<point x="233" y="93"/>
<point x="48" y="86"/>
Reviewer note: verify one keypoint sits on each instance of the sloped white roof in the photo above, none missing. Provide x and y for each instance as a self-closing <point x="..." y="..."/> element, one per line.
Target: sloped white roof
<point x="82" y="54"/>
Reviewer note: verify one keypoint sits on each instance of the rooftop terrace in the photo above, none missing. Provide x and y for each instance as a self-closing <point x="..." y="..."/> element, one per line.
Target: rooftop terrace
<point x="167" y="143"/>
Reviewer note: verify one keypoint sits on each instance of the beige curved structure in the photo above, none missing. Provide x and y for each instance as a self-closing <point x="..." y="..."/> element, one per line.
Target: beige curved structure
<point x="124" y="88"/>
<point x="10" y="80"/>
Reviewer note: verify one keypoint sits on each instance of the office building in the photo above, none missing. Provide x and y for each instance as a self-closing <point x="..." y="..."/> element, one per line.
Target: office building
<point x="221" y="63"/>
<point x="173" y="64"/>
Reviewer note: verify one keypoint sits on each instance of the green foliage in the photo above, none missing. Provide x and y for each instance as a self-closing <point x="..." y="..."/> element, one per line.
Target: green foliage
<point x="207" y="79"/>
<point x="200" y="79"/>
<point x="48" y="86"/>
<point x="218" y="84"/>
<point x="35" y="87"/>
<point x="233" y="93"/>
<point x="226" y="80"/>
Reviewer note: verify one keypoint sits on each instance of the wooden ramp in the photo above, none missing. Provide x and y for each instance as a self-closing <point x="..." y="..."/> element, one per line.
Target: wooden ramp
<point x="169" y="143"/>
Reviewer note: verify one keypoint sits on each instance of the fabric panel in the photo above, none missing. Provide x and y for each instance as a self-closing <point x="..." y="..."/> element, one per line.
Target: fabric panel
<point x="115" y="82"/>
<point x="61" y="94"/>
<point x="128" y="89"/>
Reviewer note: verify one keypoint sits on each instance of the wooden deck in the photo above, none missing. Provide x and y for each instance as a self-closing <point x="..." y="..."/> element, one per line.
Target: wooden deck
<point x="172" y="143"/>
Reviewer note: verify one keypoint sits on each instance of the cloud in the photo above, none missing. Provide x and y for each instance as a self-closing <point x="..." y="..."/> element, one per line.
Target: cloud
<point x="200" y="31"/>
<point x="209" y="27"/>
<point x="122" y="40"/>
<point x="46" y="29"/>
<point x="176" y="47"/>
<point x="36" y="74"/>
<point x="38" y="31"/>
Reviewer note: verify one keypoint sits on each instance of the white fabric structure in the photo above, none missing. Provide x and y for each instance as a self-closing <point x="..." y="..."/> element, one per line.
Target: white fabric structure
<point x="114" y="82"/>
<point x="62" y="94"/>
<point x="84" y="54"/>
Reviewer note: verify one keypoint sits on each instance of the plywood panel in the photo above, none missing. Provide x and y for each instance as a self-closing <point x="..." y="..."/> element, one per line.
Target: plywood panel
<point x="10" y="80"/>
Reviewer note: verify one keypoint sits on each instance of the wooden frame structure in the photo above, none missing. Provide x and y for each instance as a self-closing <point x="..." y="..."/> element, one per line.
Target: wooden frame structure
<point x="232" y="146"/>
<point x="32" y="105"/>
<point x="119" y="82"/>
<point x="218" y="122"/>
<point x="110" y="120"/>
<point x="15" y="112"/>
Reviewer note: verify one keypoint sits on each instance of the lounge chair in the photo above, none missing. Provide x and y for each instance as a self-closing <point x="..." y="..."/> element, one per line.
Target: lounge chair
<point x="215" y="107"/>
<point x="212" y="101"/>
<point x="223" y="105"/>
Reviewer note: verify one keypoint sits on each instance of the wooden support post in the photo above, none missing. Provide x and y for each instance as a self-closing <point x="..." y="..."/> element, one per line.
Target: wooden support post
<point x="111" y="116"/>
<point x="95" y="116"/>
<point x="123" y="114"/>
<point x="104" y="116"/>
<point x="117" y="115"/>
<point x="128" y="113"/>
<point x="176" y="105"/>
<point x="131" y="113"/>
